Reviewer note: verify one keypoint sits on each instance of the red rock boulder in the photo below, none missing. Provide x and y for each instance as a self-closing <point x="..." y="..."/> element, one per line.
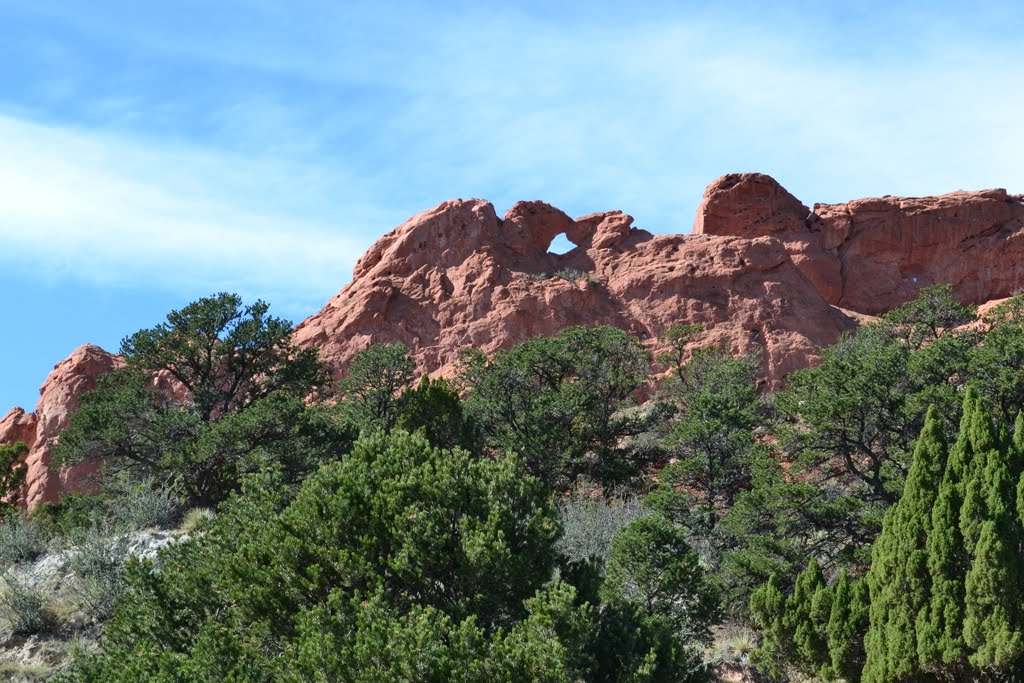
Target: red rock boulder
<point x="58" y="397"/>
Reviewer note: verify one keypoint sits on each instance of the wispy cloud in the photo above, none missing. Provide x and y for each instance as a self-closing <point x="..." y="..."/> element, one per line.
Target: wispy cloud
<point x="264" y="148"/>
<point x="120" y="211"/>
<point x="154" y="152"/>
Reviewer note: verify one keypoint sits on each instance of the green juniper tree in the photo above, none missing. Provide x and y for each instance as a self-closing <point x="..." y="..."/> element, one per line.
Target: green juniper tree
<point x="12" y="474"/>
<point x="713" y="437"/>
<point x="434" y="407"/>
<point x="847" y="624"/>
<point x="652" y="566"/>
<point x="215" y="391"/>
<point x="371" y="391"/>
<point x="985" y="449"/>
<point x="996" y="361"/>
<point x="816" y="629"/>
<point x="806" y="620"/>
<point x="940" y="640"/>
<point x="940" y="600"/>
<point x="399" y="562"/>
<point x="944" y="586"/>
<point x="899" y="579"/>
<point x="993" y="611"/>
<point x="931" y="314"/>
<point x="560" y="403"/>
<point x="768" y="609"/>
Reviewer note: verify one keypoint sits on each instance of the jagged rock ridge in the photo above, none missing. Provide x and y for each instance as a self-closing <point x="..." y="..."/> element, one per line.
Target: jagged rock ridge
<point x="458" y="276"/>
<point x="58" y="398"/>
<point x="760" y="271"/>
<point x="871" y="255"/>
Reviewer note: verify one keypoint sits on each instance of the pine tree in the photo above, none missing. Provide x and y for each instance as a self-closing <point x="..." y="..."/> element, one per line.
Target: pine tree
<point x="939" y="634"/>
<point x="768" y="607"/>
<point x="991" y="619"/>
<point x="846" y="626"/>
<point x="1018" y="446"/>
<point x="985" y="446"/>
<point x="1017" y="473"/>
<point x="817" y="653"/>
<point x="880" y="577"/>
<point x="899" y="581"/>
<point x="805" y="622"/>
<point x="992" y="610"/>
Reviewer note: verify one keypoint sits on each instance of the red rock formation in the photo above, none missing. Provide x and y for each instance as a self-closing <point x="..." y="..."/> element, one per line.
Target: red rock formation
<point x="457" y="276"/>
<point x="760" y="272"/>
<point x="58" y="397"/>
<point x="871" y="255"/>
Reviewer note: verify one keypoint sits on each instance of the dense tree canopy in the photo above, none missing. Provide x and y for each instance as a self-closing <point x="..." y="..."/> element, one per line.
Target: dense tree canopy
<point x="559" y="402"/>
<point x="867" y="520"/>
<point x="712" y="436"/>
<point x="215" y="391"/>
<point x="942" y="600"/>
<point x="401" y="562"/>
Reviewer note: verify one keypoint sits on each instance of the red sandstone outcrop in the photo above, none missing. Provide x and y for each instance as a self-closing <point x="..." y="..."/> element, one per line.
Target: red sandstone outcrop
<point x="58" y="397"/>
<point x="458" y="276"/>
<point x="760" y="272"/>
<point x="871" y="255"/>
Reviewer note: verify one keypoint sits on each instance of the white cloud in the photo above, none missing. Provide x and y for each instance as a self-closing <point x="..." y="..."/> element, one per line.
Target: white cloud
<point x="385" y="115"/>
<point x="103" y="209"/>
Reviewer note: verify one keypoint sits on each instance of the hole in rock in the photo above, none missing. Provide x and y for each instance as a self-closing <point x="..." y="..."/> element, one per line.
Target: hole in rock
<point x="560" y="245"/>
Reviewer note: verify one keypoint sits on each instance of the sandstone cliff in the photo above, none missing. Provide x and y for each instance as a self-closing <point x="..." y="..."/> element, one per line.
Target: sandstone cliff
<point x="459" y="276"/>
<point x="761" y="270"/>
<point x="871" y="255"/>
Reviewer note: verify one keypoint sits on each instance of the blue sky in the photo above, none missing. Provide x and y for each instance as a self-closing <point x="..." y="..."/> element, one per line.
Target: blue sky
<point x="151" y="153"/>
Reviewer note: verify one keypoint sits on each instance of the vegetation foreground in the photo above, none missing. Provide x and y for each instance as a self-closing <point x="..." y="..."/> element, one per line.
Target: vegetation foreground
<point x="528" y="521"/>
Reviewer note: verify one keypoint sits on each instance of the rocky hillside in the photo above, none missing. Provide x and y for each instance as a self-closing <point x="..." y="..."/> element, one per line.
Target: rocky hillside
<point x="761" y="270"/>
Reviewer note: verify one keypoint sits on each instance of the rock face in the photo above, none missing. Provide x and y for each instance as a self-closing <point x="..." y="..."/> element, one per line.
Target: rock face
<point x="458" y="276"/>
<point x="871" y="255"/>
<point x="58" y="397"/>
<point x="762" y="271"/>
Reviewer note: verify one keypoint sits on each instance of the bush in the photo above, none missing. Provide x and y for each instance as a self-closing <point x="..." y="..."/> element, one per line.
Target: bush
<point x="124" y="504"/>
<point x="589" y="525"/>
<point x="146" y="503"/>
<point x="733" y="646"/>
<point x="574" y="275"/>
<point x="25" y="606"/>
<point x="198" y="519"/>
<point x="399" y="562"/>
<point x="652" y="567"/>
<point x="98" y="561"/>
<point x="75" y="511"/>
<point x="21" y="539"/>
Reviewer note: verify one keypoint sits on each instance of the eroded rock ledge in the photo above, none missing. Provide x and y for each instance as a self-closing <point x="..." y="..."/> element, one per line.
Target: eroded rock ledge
<point x="762" y="270"/>
<point x="871" y="255"/>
